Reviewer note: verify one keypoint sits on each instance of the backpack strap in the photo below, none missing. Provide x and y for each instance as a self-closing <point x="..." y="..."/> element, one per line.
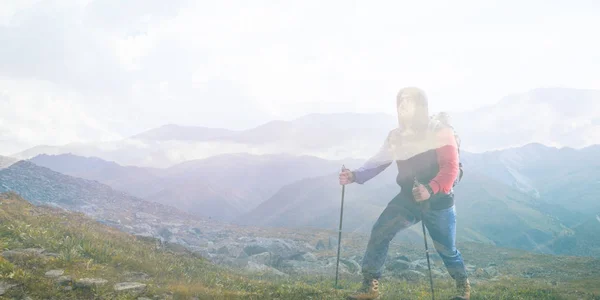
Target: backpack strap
<point x="442" y="120"/>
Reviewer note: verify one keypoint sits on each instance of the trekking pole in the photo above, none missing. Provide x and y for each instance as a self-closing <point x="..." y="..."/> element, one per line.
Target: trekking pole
<point x="426" y="247"/>
<point x="337" y="264"/>
<point x="427" y="253"/>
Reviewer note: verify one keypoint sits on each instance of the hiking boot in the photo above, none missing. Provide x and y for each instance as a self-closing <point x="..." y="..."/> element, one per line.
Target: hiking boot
<point x="368" y="291"/>
<point x="463" y="288"/>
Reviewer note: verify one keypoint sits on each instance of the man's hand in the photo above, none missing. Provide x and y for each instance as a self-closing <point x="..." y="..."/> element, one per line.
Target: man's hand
<point x="346" y="176"/>
<point x="420" y="193"/>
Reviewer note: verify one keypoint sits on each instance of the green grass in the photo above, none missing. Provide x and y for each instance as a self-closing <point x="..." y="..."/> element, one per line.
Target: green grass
<point x="86" y="248"/>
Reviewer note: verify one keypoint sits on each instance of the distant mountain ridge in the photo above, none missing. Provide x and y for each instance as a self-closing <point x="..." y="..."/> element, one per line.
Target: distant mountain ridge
<point x="221" y="187"/>
<point x="43" y="186"/>
<point x="136" y="181"/>
<point x="326" y="136"/>
<point x="565" y="177"/>
<point x="551" y="116"/>
<point x="557" y="117"/>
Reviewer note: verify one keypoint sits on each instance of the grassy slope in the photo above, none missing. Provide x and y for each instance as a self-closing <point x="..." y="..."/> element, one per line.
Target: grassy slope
<point x="88" y="249"/>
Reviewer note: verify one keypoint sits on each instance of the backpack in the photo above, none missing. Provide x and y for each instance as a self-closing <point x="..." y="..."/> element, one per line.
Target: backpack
<point x="442" y="120"/>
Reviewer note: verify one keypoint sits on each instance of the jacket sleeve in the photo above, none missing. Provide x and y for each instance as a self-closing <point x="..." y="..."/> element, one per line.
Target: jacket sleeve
<point x="376" y="164"/>
<point x="447" y="158"/>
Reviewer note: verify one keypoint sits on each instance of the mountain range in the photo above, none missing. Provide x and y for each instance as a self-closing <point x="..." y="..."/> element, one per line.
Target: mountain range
<point x="531" y="197"/>
<point x="552" y="116"/>
<point x="328" y="136"/>
<point x="566" y="177"/>
<point x="557" y="117"/>
<point x="495" y="207"/>
<point x="222" y="187"/>
<point x="507" y="198"/>
<point x="488" y="211"/>
<point x="42" y="186"/>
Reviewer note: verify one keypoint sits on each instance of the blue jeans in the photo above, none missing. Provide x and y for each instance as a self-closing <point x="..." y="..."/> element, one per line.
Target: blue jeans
<point x="401" y="213"/>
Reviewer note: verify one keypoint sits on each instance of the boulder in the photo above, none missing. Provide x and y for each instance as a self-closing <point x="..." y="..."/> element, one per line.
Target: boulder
<point x="278" y="247"/>
<point x="420" y="264"/>
<point x="411" y="275"/>
<point x="64" y="280"/>
<point x="55" y="273"/>
<point x="231" y="249"/>
<point x="308" y="256"/>
<point x="262" y="258"/>
<point x="90" y="282"/>
<point x="255" y="249"/>
<point x="135" y="287"/>
<point x="398" y="265"/>
<point x="4" y="287"/>
<point x="402" y="257"/>
<point x="136" y="276"/>
<point x="352" y="266"/>
<point x="470" y="268"/>
<point x="11" y="255"/>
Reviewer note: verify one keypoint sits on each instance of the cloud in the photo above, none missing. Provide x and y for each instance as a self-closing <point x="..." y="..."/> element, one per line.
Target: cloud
<point x="130" y="66"/>
<point x="38" y="112"/>
<point x="130" y="17"/>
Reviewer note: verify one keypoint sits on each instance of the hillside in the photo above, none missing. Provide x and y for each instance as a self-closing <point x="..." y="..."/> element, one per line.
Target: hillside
<point x="532" y="197"/>
<point x="564" y="177"/>
<point x="41" y="244"/>
<point x="222" y="186"/>
<point x="42" y="186"/>
<point x="241" y="181"/>
<point x="315" y="202"/>
<point x="584" y="239"/>
<point x="136" y="181"/>
<point x="52" y="254"/>
<point x="488" y="211"/>
<point x="504" y="216"/>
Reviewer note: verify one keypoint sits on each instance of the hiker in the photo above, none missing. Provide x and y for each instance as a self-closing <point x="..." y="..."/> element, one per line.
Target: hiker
<point x="425" y="150"/>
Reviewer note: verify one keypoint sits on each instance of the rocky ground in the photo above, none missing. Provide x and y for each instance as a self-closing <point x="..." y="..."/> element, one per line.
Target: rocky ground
<point x="65" y="281"/>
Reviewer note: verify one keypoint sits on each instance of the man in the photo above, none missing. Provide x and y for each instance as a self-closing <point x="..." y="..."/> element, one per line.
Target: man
<point x="426" y="152"/>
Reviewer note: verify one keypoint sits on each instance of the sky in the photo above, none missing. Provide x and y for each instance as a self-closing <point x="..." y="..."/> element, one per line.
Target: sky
<point x="98" y="70"/>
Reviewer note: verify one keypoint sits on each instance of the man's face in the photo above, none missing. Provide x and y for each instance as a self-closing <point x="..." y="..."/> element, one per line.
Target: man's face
<point x="406" y="110"/>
